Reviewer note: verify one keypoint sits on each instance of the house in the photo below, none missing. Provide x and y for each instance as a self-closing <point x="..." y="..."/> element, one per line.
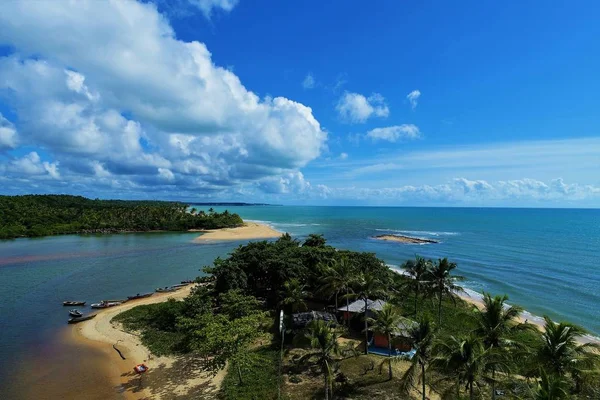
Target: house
<point x="400" y="339"/>
<point x="358" y="307"/>
<point x="301" y="320"/>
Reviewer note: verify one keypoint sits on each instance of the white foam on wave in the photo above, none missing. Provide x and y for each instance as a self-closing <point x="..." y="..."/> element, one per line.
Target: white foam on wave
<point x="425" y="233"/>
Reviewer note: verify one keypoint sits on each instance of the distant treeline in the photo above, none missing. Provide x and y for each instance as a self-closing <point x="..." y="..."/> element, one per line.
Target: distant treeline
<point x="42" y="215"/>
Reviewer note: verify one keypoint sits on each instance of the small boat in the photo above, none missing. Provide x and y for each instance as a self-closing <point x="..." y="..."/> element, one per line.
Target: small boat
<point x="75" y="313"/>
<point x="167" y="289"/>
<point x="73" y="303"/>
<point x="105" y="304"/>
<point x="140" y="296"/>
<point x="80" y="319"/>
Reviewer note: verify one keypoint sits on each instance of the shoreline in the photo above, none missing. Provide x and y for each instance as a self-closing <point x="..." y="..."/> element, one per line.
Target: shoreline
<point x="101" y="334"/>
<point x="249" y="231"/>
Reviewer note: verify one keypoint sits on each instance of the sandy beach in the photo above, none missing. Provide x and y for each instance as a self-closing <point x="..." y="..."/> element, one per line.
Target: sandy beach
<point x="167" y="378"/>
<point x="250" y="230"/>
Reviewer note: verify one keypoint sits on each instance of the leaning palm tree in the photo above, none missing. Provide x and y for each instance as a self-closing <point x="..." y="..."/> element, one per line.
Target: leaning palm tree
<point x="495" y="323"/>
<point x="561" y="354"/>
<point x="416" y="269"/>
<point x="367" y="288"/>
<point x="323" y="338"/>
<point x="386" y="323"/>
<point x="441" y="282"/>
<point x="422" y="337"/>
<point x="294" y="294"/>
<point x="466" y="362"/>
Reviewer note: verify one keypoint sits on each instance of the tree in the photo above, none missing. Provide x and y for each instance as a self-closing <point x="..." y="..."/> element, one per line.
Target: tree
<point x="294" y="295"/>
<point x="465" y="361"/>
<point x="235" y="304"/>
<point x="368" y="287"/>
<point x="561" y="354"/>
<point x="336" y="279"/>
<point x="221" y="339"/>
<point x="422" y="337"/>
<point x="416" y="269"/>
<point x="386" y="323"/>
<point x="315" y="240"/>
<point x="324" y="339"/>
<point x="441" y="282"/>
<point x="495" y="323"/>
<point x="551" y="387"/>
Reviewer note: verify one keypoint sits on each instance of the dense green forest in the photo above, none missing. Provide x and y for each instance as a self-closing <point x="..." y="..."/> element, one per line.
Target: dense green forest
<point x="462" y="352"/>
<point x="42" y="215"/>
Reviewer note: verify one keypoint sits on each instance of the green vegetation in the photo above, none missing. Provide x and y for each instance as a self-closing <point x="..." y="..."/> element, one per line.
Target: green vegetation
<point x="461" y="352"/>
<point x="42" y="215"/>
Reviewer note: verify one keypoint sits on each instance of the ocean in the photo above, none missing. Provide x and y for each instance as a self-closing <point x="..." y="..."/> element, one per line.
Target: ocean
<point x="545" y="260"/>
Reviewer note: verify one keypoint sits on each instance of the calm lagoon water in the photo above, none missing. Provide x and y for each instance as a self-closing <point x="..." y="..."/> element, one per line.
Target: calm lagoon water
<point x="546" y="260"/>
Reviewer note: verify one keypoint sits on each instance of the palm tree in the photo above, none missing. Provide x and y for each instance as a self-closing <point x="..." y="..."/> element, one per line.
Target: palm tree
<point x="561" y="353"/>
<point x="465" y="361"/>
<point x="416" y="269"/>
<point x="551" y="387"/>
<point x="367" y="287"/>
<point x="294" y="295"/>
<point x="440" y="282"/>
<point x="422" y="337"/>
<point x="495" y="322"/>
<point x="386" y="323"/>
<point x="324" y="339"/>
<point x="337" y="279"/>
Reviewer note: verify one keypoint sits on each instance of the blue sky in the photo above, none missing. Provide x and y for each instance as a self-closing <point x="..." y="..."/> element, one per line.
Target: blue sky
<point x="394" y="103"/>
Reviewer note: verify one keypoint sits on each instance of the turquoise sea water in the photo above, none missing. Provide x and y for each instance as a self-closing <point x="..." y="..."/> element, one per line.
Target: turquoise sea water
<point x="546" y="260"/>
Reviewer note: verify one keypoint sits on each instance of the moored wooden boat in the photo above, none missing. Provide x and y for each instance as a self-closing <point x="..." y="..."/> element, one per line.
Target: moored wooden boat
<point x="140" y="296"/>
<point x="75" y="313"/>
<point x="80" y="319"/>
<point x="73" y="303"/>
<point x="105" y="304"/>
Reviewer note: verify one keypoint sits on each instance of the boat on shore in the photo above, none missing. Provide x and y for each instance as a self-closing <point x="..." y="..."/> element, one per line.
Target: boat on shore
<point x="140" y="296"/>
<point x="106" y="304"/>
<point x="75" y="313"/>
<point x="167" y="289"/>
<point x="80" y="319"/>
<point x="73" y="303"/>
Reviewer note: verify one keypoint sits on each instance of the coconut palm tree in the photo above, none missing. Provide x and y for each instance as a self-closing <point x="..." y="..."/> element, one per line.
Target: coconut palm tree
<point x="323" y="338"/>
<point x="465" y="362"/>
<point x="551" y="387"/>
<point x="495" y="322"/>
<point x="561" y="354"/>
<point x="386" y="323"/>
<point x="441" y="282"/>
<point x="337" y="279"/>
<point x="416" y="269"/>
<point x="368" y="287"/>
<point x="294" y="294"/>
<point x="422" y="337"/>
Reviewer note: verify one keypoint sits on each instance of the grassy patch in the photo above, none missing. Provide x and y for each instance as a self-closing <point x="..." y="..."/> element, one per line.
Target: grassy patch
<point x="260" y="378"/>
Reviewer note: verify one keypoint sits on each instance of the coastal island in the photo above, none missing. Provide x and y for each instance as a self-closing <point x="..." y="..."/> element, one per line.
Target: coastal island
<point x="45" y="215"/>
<point x="249" y="230"/>
<point x="404" y="239"/>
<point x="219" y="338"/>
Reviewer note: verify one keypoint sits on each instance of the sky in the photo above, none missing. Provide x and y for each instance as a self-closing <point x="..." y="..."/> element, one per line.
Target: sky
<point x="322" y="103"/>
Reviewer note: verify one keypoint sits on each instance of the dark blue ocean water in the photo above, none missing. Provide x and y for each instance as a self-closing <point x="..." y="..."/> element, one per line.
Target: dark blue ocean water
<point x="546" y="260"/>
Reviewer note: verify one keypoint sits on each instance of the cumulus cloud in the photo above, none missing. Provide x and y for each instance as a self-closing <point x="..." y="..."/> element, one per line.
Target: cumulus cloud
<point x="208" y="6"/>
<point x="395" y="133"/>
<point x="32" y="165"/>
<point x="356" y="108"/>
<point x="8" y="134"/>
<point x="110" y="92"/>
<point x="413" y="98"/>
<point x="343" y="156"/>
<point x="308" y="82"/>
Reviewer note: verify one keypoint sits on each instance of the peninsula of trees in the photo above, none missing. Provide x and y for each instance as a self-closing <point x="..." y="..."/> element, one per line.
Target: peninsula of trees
<point x="43" y="215"/>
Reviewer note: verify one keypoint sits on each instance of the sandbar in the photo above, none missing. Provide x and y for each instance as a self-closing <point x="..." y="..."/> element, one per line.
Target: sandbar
<point x="404" y="239"/>
<point x="250" y="230"/>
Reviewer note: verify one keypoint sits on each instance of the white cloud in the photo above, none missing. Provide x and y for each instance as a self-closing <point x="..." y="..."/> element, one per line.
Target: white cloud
<point x="290" y="183"/>
<point x="110" y="92"/>
<point x="308" y="82"/>
<point x="207" y="6"/>
<point x="343" y="156"/>
<point x="32" y="165"/>
<point x="395" y="133"/>
<point x="8" y="134"/>
<point x="355" y="107"/>
<point x="413" y="98"/>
